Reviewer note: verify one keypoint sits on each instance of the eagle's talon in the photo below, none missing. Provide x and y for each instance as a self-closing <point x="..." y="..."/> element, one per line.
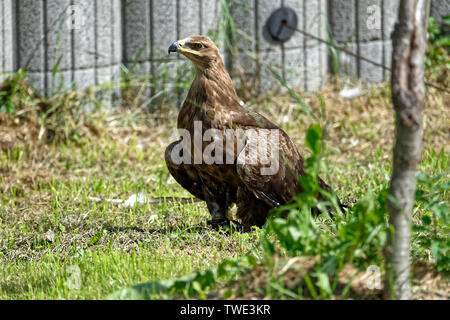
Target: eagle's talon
<point x="226" y="225"/>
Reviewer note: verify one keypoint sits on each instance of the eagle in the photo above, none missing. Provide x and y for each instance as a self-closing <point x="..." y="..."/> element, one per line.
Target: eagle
<point x="213" y="108"/>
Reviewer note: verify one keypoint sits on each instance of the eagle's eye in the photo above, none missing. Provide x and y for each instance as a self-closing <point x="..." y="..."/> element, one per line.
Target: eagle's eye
<point x="197" y="45"/>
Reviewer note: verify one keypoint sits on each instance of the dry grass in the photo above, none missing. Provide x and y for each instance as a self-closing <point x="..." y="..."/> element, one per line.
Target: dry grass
<point x="292" y="276"/>
<point x="358" y="127"/>
<point x="49" y="168"/>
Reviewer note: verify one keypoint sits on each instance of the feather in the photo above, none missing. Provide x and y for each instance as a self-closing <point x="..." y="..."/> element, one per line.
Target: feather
<point x="213" y="102"/>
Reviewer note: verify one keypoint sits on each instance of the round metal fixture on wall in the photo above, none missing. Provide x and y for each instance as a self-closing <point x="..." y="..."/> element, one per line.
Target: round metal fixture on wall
<point x="276" y="24"/>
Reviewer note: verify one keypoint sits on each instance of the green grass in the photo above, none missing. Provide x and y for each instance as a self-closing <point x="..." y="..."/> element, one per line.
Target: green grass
<point x="100" y="272"/>
<point x="302" y="256"/>
<point x="54" y="158"/>
<point x="48" y="221"/>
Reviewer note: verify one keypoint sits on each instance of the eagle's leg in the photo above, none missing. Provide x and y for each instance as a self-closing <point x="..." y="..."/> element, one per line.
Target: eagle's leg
<point x="251" y="210"/>
<point x="217" y="206"/>
<point x="218" y="196"/>
<point x="184" y="174"/>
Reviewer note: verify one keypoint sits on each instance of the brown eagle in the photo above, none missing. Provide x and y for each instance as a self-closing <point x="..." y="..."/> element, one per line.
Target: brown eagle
<point x="234" y="177"/>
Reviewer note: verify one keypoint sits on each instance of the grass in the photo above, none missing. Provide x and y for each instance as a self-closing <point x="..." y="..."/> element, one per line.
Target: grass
<point x="48" y="221"/>
<point x="50" y="224"/>
<point x="57" y="242"/>
<point x="51" y="230"/>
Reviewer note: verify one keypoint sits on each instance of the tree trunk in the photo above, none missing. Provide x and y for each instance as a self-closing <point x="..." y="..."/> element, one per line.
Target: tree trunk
<point x="408" y="93"/>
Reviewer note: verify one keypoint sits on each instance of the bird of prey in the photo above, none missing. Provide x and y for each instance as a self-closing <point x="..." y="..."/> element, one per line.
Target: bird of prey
<point x="212" y="104"/>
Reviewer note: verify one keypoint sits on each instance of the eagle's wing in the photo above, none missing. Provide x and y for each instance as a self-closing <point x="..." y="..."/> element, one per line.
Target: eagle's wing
<point x="282" y="185"/>
<point x="269" y="164"/>
<point x="244" y="118"/>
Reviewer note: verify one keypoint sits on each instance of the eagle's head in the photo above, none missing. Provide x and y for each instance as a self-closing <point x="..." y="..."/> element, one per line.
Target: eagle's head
<point x="200" y="50"/>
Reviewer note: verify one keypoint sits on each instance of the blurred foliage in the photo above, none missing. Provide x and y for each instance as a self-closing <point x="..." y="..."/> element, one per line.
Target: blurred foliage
<point x="356" y="237"/>
<point x="433" y="230"/>
<point x="437" y="61"/>
<point x="59" y="117"/>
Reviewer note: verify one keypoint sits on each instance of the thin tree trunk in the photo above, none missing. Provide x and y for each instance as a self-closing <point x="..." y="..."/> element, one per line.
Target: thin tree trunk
<point x="408" y="93"/>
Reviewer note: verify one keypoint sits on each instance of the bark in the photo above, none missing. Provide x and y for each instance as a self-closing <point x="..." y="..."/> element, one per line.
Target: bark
<point x="408" y="93"/>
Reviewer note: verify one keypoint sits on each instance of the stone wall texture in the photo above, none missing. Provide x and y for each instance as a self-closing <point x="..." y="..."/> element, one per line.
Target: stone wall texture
<point x="364" y="27"/>
<point x="42" y="38"/>
<point x="80" y="43"/>
<point x="439" y="9"/>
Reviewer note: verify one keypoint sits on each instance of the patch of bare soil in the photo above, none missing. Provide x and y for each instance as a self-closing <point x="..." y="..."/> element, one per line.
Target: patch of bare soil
<point x="351" y="282"/>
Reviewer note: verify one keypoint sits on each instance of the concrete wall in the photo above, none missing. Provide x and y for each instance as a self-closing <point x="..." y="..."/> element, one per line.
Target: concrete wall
<point x="8" y="59"/>
<point x="439" y="9"/>
<point x="364" y="27"/>
<point x="41" y="39"/>
<point x="301" y="61"/>
<point x="88" y="43"/>
<point x="149" y="27"/>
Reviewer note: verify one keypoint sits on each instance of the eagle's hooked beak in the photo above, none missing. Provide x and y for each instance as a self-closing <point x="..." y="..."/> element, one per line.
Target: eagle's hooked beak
<point x="174" y="47"/>
<point x="181" y="46"/>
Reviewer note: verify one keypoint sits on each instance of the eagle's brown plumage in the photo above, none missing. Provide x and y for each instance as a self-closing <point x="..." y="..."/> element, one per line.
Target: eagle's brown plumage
<point x="212" y="99"/>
